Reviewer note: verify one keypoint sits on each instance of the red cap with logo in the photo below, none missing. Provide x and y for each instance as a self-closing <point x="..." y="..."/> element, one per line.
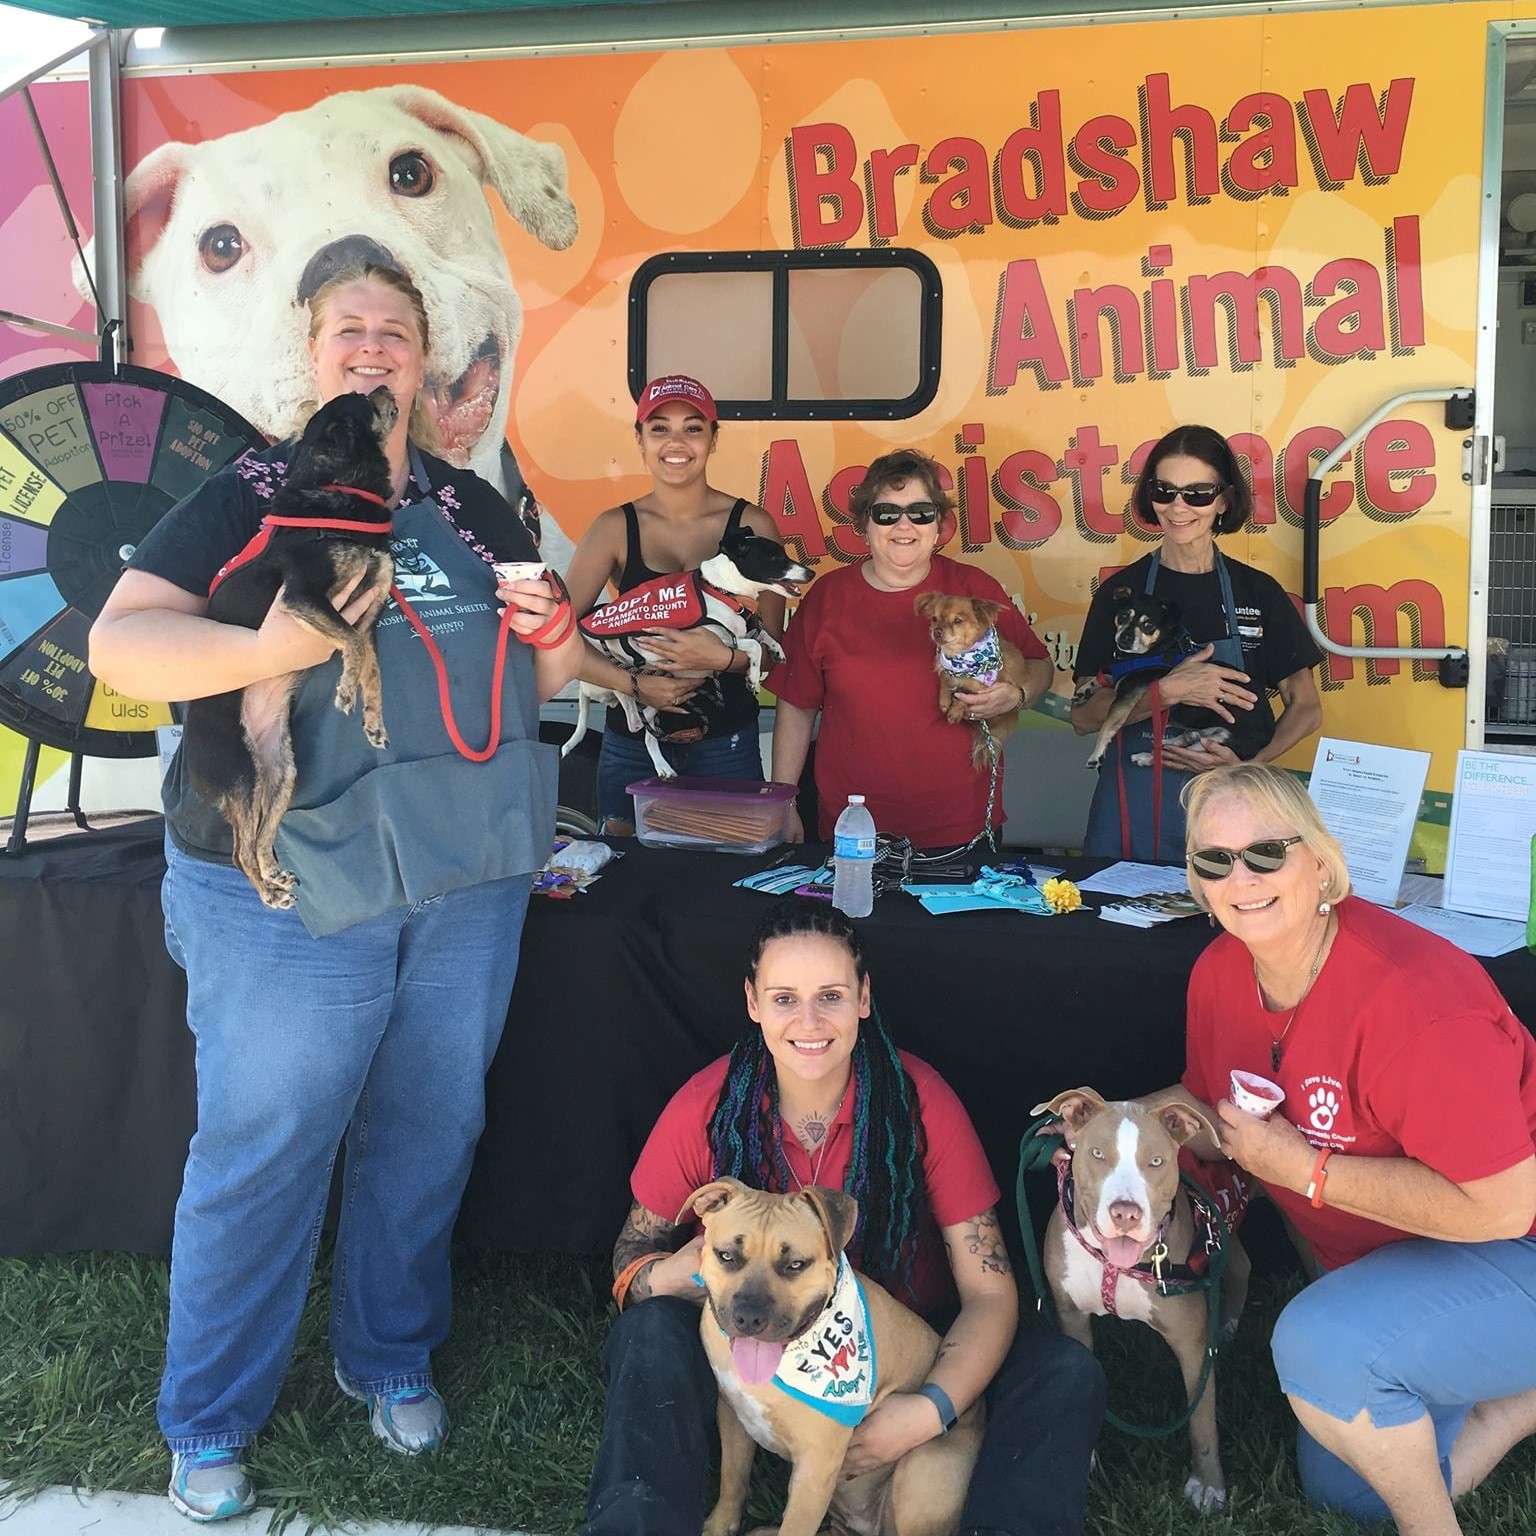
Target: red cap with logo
<point x="675" y="388"/>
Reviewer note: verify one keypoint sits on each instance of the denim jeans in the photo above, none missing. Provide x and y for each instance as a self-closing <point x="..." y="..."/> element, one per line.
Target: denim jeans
<point x="382" y="1034"/>
<point x="624" y="759"/>
<point x="1044" y="1409"/>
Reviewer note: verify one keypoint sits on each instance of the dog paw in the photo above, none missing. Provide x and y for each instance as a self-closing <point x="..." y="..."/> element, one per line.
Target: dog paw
<point x="377" y="735"/>
<point x="721" y="1525"/>
<point x="346" y="697"/>
<point x="1142" y="759"/>
<point x="279" y="897"/>
<point x="1204" y="1497"/>
<point x="1095" y="760"/>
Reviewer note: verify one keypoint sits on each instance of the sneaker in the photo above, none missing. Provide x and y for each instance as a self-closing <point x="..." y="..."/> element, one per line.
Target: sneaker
<point x="210" y="1485"/>
<point x="409" y="1420"/>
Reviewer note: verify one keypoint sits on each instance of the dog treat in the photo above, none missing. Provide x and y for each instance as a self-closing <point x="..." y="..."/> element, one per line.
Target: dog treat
<point x="508" y="571"/>
<point x="1256" y="1095"/>
<point x="709" y="825"/>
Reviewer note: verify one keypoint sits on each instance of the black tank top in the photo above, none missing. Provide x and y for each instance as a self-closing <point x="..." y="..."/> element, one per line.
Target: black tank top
<point x="735" y="708"/>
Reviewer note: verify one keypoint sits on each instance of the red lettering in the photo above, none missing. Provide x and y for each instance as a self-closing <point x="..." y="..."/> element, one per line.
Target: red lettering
<point x="1040" y="145"/>
<point x="1362" y="133"/>
<point x="1120" y="307"/>
<point x="1405" y="284"/>
<point x="1161" y="124"/>
<point x="1378" y="611"/>
<point x="1025" y="336"/>
<point x="811" y="188"/>
<point x="963" y="201"/>
<point x="1352" y="326"/>
<point x="846" y="542"/>
<point x="1098" y="155"/>
<point x="1085" y="461"/>
<point x="884" y="167"/>
<point x="1261" y="474"/>
<point x="1239" y="297"/>
<point x="1396" y="450"/>
<point x="786" y="496"/>
<point x="1266" y="160"/>
<point x="1296" y="469"/>
<point x="975" y="504"/>
<point x="1030" y="514"/>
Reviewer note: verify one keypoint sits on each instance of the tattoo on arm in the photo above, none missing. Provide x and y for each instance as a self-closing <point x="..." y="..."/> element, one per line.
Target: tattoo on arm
<point x="644" y="1232"/>
<point x="983" y="1240"/>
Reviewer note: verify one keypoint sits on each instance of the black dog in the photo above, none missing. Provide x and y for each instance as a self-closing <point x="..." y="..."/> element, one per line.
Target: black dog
<point x="239" y="751"/>
<point x="1149" y="643"/>
<point x="720" y="596"/>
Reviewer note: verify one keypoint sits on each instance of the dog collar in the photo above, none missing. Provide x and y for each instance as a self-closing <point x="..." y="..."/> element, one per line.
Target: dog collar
<point x="983" y="661"/>
<point x="831" y="1366"/>
<point x="358" y="491"/>
<point x="259" y="541"/>
<point x="1158" y="1272"/>
<point x="1161" y="661"/>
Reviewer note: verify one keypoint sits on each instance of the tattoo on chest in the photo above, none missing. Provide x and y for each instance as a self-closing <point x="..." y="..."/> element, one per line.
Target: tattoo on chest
<point x="811" y="1131"/>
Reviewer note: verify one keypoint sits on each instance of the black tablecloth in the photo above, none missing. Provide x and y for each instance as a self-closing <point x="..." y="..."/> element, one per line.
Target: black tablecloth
<point x="621" y="995"/>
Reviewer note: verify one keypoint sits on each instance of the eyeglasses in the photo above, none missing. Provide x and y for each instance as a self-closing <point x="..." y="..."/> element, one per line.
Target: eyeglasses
<point x="1263" y="858"/>
<point x="1161" y="494"/>
<point x="888" y="514"/>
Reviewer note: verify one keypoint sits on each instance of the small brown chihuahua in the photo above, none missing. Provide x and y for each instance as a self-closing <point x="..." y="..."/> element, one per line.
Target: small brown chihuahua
<point x="969" y="655"/>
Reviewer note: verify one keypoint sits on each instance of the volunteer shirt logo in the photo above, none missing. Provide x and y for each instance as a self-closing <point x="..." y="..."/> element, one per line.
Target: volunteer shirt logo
<point x="418" y="575"/>
<point x="1323" y="1112"/>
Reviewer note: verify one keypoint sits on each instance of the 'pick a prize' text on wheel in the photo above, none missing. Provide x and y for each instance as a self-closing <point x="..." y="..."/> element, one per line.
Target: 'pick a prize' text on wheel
<point x="91" y="458"/>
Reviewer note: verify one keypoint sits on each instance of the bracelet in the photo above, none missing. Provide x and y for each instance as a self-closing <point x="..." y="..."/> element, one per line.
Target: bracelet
<point x="940" y="1399"/>
<point x="626" y="1276"/>
<point x="1319" y="1178"/>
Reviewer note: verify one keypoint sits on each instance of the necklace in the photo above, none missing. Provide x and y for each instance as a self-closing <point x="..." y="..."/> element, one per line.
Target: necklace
<point x="821" y="1151"/>
<point x="1277" y="1042"/>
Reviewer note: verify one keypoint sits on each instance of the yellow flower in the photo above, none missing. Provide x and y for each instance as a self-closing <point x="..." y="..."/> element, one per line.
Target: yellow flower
<point x="1061" y="895"/>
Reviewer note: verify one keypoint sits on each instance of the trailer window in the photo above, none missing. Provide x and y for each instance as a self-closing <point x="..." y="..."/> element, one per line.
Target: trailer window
<point x="823" y="335"/>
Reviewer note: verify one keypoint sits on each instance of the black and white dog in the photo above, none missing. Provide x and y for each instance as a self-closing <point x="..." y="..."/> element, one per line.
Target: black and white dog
<point x="721" y="596"/>
<point x="1149" y="643"/>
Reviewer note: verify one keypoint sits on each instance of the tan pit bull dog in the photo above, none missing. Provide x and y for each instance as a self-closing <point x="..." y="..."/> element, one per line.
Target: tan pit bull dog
<point x="794" y="1337"/>
<point x="1125" y="1203"/>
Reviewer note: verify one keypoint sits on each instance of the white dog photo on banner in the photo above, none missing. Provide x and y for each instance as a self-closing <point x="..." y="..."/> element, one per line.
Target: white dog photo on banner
<point x="228" y="239"/>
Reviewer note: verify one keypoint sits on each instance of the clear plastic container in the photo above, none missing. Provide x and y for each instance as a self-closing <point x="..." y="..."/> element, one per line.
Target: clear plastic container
<point x="727" y="815"/>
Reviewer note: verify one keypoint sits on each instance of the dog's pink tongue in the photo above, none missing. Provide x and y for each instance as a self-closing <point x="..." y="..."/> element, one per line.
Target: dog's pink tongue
<point x="1122" y="1252"/>
<point x="756" y="1360"/>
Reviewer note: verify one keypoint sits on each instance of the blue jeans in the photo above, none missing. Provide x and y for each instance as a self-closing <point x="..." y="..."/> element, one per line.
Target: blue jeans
<point x="382" y="1034"/>
<point x="624" y="759"/>
<point x="1414" y="1328"/>
<point x="1044" y="1409"/>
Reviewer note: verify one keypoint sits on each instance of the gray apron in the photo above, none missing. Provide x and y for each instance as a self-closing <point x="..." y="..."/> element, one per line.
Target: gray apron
<point x="371" y="831"/>
<point x="1105" y="838"/>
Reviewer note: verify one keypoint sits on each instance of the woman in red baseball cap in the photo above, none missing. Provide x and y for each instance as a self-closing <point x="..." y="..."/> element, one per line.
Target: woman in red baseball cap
<point x="676" y="526"/>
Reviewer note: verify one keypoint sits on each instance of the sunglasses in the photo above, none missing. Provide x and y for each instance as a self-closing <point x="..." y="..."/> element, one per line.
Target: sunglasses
<point x="888" y="514"/>
<point x="1161" y="494"/>
<point x="1263" y="858"/>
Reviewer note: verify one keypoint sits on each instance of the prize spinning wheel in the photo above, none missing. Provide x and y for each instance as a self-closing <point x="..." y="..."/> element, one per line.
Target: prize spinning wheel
<point x="91" y="458"/>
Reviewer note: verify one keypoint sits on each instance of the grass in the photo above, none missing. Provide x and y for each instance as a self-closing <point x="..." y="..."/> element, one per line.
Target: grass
<point x="80" y="1352"/>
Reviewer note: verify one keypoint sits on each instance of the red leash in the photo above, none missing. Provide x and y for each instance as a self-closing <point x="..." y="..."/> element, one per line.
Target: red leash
<point x="1159" y="723"/>
<point x="540" y="637"/>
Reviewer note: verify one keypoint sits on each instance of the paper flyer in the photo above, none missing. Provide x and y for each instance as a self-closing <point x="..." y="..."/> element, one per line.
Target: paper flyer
<point x="1368" y="797"/>
<point x="1493" y="816"/>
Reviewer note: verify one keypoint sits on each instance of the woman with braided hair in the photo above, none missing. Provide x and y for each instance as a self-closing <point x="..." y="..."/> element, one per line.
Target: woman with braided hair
<point x="816" y="1093"/>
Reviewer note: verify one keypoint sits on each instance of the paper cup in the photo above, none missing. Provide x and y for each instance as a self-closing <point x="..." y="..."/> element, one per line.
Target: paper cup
<point x="508" y="571"/>
<point x="1256" y="1095"/>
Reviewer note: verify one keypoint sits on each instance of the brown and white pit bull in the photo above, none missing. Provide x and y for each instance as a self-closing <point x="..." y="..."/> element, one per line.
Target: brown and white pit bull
<point x="1125" y="1203"/>
<point x="794" y="1337"/>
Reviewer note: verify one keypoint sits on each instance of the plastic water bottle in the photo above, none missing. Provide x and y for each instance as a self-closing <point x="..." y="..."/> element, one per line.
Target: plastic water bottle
<point x="853" y="885"/>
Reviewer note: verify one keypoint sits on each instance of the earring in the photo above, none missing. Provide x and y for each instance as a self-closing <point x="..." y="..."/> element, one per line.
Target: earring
<point x="1324" y="908"/>
<point x="1210" y="917"/>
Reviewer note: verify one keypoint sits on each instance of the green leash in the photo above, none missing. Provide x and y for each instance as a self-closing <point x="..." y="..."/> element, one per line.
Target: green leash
<point x="1036" y="1152"/>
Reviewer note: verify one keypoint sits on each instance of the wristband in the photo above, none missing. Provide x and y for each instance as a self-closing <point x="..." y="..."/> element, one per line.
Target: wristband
<point x="940" y="1399"/>
<point x="626" y="1277"/>
<point x="1319" y="1178"/>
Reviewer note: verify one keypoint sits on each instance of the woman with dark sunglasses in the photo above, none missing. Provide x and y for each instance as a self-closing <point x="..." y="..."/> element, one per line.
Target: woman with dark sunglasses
<point x="1403" y="1153"/>
<point x="860" y="655"/>
<point x="1246" y="642"/>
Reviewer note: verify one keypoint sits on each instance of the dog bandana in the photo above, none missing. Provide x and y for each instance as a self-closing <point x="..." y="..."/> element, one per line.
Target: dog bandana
<point x="831" y="1366"/>
<point x="666" y="602"/>
<point x="983" y="661"/>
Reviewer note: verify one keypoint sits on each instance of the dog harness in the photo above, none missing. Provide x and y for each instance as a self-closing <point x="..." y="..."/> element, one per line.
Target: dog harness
<point x="542" y="637"/>
<point x="831" y="1366"/>
<point x="1170" y="1279"/>
<point x="983" y="661"/>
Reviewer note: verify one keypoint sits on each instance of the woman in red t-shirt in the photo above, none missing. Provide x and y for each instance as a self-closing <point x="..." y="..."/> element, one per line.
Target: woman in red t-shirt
<point x="859" y="654"/>
<point x="817" y="1094"/>
<point x="1402" y="1153"/>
